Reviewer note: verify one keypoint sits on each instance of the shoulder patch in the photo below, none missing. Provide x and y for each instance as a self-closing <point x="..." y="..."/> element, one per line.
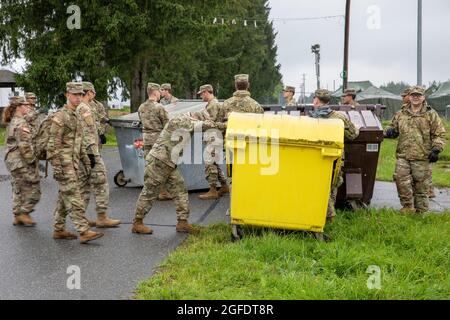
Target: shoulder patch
<point x="26" y="130"/>
<point x="58" y="121"/>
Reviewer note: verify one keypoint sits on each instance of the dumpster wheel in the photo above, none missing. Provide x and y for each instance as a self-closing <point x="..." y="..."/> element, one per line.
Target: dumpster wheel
<point x="119" y="179"/>
<point x="236" y="232"/>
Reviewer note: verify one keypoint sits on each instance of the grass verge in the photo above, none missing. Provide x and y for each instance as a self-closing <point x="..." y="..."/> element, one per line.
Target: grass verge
<point x="2" y="136"/>
<point x="412" y="253"/>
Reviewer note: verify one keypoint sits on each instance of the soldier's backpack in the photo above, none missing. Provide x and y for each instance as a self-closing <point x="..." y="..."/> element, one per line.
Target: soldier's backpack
<point x="42" y="138"/>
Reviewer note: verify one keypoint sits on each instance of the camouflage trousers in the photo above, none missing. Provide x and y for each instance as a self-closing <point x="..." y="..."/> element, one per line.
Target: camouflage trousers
<point x="214" y="173"/>
<point x="70" y="202"/>
<point x="412" y="180"/>
<point x="26" y="189"/>
<point x="95" y="182"/>
<point x="331" y="211"/>
<point x="157" y="175"/>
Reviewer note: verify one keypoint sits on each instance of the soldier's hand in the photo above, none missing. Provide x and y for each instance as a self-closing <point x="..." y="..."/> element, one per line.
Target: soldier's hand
<point x="434" y="155"/>
<point x="92" y="160"/>
<point x="391" y="133"/>
<point x="103" y="139"/>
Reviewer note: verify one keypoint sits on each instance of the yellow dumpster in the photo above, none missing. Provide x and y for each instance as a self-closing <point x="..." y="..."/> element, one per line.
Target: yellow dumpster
<point x="282" y="169"/>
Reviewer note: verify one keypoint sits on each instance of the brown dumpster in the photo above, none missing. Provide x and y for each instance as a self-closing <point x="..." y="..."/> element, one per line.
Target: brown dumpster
<point x="361" y="155"/>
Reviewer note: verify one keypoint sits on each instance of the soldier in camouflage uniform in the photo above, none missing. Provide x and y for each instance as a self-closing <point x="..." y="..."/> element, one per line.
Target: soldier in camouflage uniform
<point x="213" y="171"/>
<point x="95" y="179"/>
<point x="21" y="161"/>
<point x="33" y="116"/>
<point x="405" y="95"/>
<point x="421" y="136"/>
<point x="241" y="100"/>
<point x="162" y="169"/>
<point x="322" y="110"/>
<point x="153" y="117"/>
<point x="348" y="98"/>
<point x="66" y="150"/>
<point x="167" y="97"/>
<point x="288" y="95"/>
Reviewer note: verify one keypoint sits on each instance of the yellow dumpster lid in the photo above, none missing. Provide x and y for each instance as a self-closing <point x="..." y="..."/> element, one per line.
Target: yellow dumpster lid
<point x="288" y="129"/>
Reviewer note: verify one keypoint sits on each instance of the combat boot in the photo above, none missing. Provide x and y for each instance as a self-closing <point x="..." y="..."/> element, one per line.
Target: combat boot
<point x="139" y="227"/>
<point x="184" y="227"/>
<point x="431" y="193"/>
<point x="25" y="220"/>
<point x="407" y="210"/>
<point x="92" y="223"/>
<point x="66" y="235"/>
<point x="164" y="196"/>
<point x="224" y="189"/>
<point x="211" y="194"/>
<point x="90" y="235"/>
<point x="104" y="222"/>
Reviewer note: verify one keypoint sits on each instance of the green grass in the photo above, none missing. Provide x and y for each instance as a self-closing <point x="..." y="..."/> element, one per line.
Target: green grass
<point x="411" y="251"/>
<point x="441" y="170"/>
<point x="111" y="137"/>
<point x="2" y="136"/>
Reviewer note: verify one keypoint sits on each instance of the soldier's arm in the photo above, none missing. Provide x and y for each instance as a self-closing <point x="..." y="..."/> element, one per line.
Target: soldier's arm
<point x="55" y="142"/>
<point x="351" y="132"/>
<point x="164" y="116"/>
<point x="438" y="133"/>
<point x="89" y="131"/>
<point x="392" y="127"/>
<point x="259" y="109"/>
<point x="25" y="138"/>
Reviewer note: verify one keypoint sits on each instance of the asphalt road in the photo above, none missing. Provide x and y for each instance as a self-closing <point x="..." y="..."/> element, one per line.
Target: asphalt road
<point x="35" y="266"/>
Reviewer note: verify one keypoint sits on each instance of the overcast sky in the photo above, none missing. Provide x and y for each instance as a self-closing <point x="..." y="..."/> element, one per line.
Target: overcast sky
<point x="379" y="55"/>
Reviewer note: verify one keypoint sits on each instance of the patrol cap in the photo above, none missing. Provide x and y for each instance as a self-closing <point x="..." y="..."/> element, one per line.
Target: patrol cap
<point x="166" y="86"/>
<point x="417" y="90"/>
<point x="30" y="95"/>
<point x="406" y="92"/>
<point x="74" y="87"/>
<point x="88" y="86"/>
<point x="17" y="101"/>
<point x="153" y="86"/>
<point x="323" y="95"/>
<point x="349" y="92"/>
<point x="289" y="89"/>
<point x="241" y="78"/>
<point x="206" y="87"/>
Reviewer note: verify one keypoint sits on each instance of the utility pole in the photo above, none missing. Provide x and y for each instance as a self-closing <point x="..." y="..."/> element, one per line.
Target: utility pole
<point x="346" y="44"/>
<point x="316" y="50"/>
<point x="303" y="89"/>
<point x="419" y="43"/>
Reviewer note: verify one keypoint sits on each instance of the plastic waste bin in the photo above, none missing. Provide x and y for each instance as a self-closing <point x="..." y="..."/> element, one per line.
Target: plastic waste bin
<point x="282" y="169"/>
<point x="128" y="131"/>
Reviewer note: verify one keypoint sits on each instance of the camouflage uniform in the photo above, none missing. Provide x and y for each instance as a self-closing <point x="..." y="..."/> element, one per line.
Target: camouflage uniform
<point x="213" y="172"/>
<point x="66" y="151"/>
<point x="418" y="134"/>
<point x="351" y="92"/>
<point x="21" y="162"/>
<point x="240" y="102"/>
<point x="95" y="179"/>
<point x="172" y="99"/>
<point x="350" y="133"/>
<point x="153" y="117"/>
<point x="162" y="167"/>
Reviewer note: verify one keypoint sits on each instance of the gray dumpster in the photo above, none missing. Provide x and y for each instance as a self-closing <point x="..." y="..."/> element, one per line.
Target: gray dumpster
<point x="129" y="139"/>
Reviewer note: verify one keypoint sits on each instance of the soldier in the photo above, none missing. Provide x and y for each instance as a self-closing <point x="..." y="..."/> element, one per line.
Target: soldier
<point x="95" y="179"/>
<point x="162" y="169"/>
<point x="166" y="92"/>
<point x="21" y="161"/>
<point x="288" y="95"/>
<point x="421" y="136"/>
<point x="33" y="116"/>
<point x="66" y="150"/>
<point x="212" y="169"/>
<point x="348" y="98"/>
<point x="241" y="100"/>
<point x="101" y="117"/>
<point x="322" y="110"/>
<point x="153" y="117"/>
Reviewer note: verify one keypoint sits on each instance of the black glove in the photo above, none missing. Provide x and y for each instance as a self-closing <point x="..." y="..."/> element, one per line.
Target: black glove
<point x="103" y="139"/>
<point x="391" y="133"/>
<point x="92" y="159"/>
<point x="434" y="155"/>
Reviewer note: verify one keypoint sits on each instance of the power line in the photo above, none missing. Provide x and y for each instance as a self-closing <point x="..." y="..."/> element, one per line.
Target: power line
<point x="281" y="19"/>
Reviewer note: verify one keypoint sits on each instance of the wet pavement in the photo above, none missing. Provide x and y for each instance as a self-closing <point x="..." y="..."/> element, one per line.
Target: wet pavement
<point x="34" y="266"/>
